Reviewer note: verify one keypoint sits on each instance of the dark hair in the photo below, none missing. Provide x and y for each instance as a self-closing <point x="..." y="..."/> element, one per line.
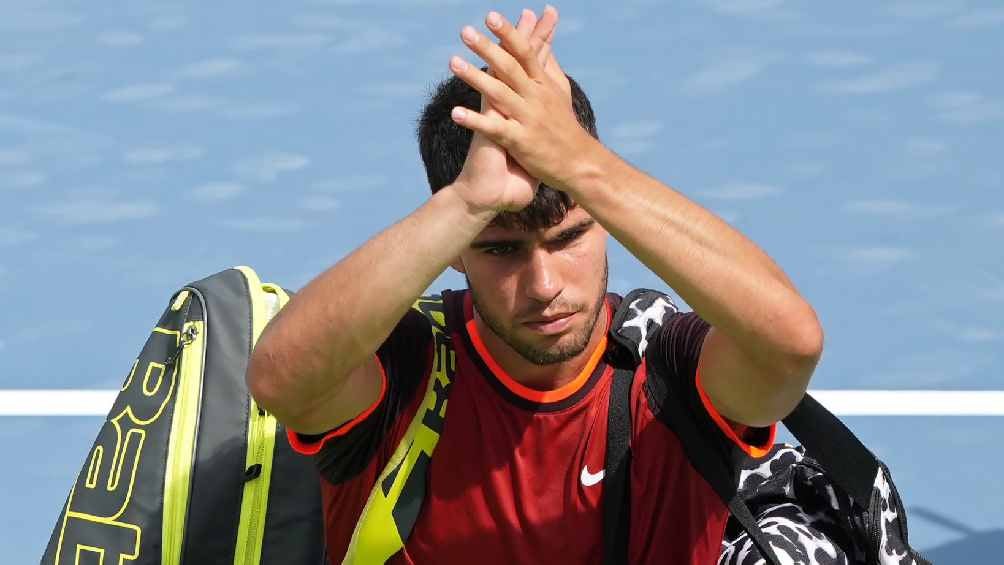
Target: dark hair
<point x="444" y="144"/>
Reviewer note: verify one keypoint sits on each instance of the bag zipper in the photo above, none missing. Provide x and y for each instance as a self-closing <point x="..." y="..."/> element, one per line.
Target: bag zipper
<point x="257" y="478"/>
<point x="871" y="544"/>
<point x="182" y="442"/>
<point x="266" y="300"/>
<point x="877" y="525"/>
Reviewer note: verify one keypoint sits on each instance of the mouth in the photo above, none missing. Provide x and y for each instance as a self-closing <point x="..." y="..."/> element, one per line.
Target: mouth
<point x="553" y="324"/>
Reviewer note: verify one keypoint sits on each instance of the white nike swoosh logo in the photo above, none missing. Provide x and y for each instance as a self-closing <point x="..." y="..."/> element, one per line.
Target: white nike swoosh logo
<point x="589" y="479"/>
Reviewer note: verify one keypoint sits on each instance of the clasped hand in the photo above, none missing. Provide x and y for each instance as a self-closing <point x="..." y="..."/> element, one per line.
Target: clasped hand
<point x="529" y="110"/>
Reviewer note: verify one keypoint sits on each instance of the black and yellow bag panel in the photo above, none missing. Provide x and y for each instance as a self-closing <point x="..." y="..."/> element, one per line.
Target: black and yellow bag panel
<point x="395" y="501"/>
<point x="187" y="469"/>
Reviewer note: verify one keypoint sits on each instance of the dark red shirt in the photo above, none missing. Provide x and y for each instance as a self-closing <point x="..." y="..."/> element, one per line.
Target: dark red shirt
<point x="515" y="477"/>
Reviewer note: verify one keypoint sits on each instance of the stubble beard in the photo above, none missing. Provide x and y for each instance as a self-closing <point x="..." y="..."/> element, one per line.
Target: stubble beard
<point x="552" y="355"/>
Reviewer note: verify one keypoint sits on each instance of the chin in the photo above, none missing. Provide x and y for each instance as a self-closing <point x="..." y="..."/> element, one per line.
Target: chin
<point x="550" y="350"/>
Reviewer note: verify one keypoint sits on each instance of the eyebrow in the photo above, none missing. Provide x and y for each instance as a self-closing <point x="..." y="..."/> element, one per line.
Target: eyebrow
<point x="565" y="234"/>
<point x="573" y="231"/>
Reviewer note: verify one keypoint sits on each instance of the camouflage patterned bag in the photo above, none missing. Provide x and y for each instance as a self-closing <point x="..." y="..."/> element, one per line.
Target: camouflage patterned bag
<point x="809" y="519"/>
<point x="828" y="502"/>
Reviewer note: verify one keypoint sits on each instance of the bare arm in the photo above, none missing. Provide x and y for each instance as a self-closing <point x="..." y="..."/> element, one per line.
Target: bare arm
<point x="757" y="360"/>
<point x="314" y="366"/>
<point x="765" y="339"/>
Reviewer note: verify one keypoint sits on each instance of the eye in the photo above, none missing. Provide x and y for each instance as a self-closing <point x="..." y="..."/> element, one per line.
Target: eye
<point x="567" y="238"/>
<point x="500" y="250"/>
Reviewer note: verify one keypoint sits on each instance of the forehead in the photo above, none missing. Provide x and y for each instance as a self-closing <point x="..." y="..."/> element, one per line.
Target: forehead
<point x="574" y="217"/>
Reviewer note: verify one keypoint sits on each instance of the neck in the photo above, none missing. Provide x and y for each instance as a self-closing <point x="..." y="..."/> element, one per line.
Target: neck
<point x="532" y="375"/>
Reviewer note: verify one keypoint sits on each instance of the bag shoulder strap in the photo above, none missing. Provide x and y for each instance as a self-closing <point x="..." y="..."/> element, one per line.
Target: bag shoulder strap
<point x="827" y="440"/>
<point x="617" y="479"/>
<point x="710" y="463"/>
<point x="636" y="319"/>
<point x="392" y="509"/>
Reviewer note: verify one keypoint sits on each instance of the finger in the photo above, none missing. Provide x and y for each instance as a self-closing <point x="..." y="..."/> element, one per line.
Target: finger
<point x="519" y="47"/>
<point x="550" y="36"/>
<point x="496" y="93"/>
<point x="544" y="55"/>
<point x="527" y="22"/>
<point x="548" y="22"/>
<point x="500" y="61"/>
<point x="557" y="74"/>
<point x="552" y="66"/>
<point x="496" y="128"/>
<point x="547" y="60"/>
<point x="529" y="26"/>
<point x="553" y="69"/>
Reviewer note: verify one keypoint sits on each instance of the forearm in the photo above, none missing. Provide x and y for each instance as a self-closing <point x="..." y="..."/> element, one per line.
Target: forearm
<point x="723" y="275"/>
<point x="340" y="318"/>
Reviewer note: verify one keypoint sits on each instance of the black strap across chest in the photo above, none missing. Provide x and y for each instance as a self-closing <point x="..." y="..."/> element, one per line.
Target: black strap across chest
<point x="616" y="493"/>
<point x="825" y="438"/>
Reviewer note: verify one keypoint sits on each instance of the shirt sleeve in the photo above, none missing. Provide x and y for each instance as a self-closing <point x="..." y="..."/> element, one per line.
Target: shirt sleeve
<point x="673" y="355"/>
<point x="404" y="358"/>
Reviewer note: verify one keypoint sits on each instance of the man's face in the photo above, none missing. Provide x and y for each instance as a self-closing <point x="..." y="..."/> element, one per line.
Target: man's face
<point x="541" y="291"/>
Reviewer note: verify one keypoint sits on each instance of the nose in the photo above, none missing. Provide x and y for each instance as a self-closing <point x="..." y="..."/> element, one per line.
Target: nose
<point x="541" y="280"/>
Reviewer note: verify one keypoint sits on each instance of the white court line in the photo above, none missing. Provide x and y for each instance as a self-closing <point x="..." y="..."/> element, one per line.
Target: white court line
<point x="912" y="402"/>
<point x="56" y="402"/>
<point x="66" y="402"/>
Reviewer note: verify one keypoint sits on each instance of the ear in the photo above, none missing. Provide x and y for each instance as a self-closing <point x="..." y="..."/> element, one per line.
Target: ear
<point x="458" y="265"/>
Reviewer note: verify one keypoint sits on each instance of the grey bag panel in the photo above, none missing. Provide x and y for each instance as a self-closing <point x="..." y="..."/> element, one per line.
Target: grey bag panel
<point x="809" y="519"/>
<point x="114" y="503"/>
<point x="293" y="530"/>
<point x="295" y="525"/>
<point x="93" y="520"/>
<point x="221" y="444"/>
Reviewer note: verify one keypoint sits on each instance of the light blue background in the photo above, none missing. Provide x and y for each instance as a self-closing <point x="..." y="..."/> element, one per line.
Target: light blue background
<point x="146" y="145"/>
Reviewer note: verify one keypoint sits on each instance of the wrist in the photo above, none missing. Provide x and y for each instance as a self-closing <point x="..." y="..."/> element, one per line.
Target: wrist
<point x="472" y="213"/>
<point x="588" y="170"/>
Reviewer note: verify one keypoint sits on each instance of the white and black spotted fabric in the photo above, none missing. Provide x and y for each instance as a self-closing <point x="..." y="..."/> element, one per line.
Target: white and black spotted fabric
<point x="645" y="312"/>
<point x="808" y="520"/>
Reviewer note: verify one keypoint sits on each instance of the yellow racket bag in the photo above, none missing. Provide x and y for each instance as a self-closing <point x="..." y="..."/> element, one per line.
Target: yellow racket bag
<point x="187" y="469"/>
